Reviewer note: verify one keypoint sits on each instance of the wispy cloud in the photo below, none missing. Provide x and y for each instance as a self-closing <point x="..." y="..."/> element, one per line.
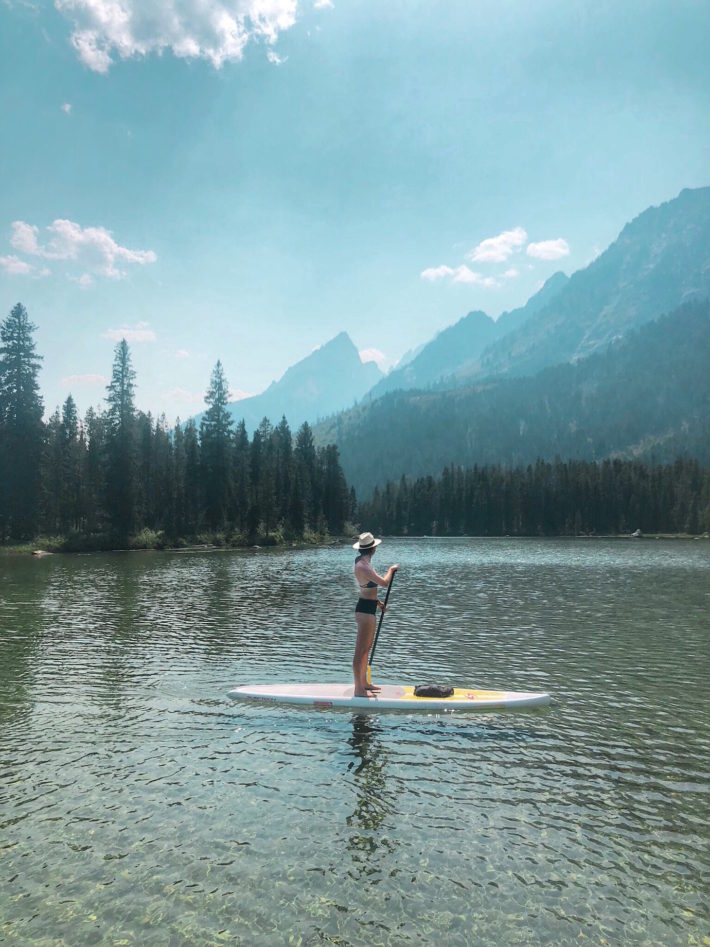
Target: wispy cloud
<point x="323" y="5"/>
<point x="140" y="332"/>
<point x="66" y="108"/>
<point x="238" y="394"/>
<point x="462" y="274"/>
<point x="183" y="396"/>
<point x="494" y="251"/>
<point x="182" y="353"/>
<point x="216" y="30"/>
<point x="15" y="266"/>
<point x="92" y="249"/>
<point x="85" y="280"/>
<point x="459" y="274"/>
<point x="498" y="249"/>
<point x="548" y="249"/>
<point x="374" y="355"/>
<point x="83" y="381"/>
<point x="434" y="273"/>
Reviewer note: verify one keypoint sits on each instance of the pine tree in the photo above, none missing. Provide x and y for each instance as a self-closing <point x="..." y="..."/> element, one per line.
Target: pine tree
<point x="73" y="450"/>
<point x="191" y="506"/>
<point x="216" y="444"/>
<point x="121" y="483"/>
<point x="336" y="500"/>
<point x="308" y="474"/>
<point x="240" y="495"/>
<point x="21" y="428"/>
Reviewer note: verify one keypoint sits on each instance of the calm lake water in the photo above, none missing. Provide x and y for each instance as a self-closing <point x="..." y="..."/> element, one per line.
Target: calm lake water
<point x="139" y="805"/>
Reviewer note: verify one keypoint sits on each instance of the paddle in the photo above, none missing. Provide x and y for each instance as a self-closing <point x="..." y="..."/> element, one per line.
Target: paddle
<point x="377" y="633"/>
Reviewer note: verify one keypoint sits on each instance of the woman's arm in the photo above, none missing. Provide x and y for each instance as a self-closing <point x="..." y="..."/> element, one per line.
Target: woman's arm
<point x="387" y="578"/>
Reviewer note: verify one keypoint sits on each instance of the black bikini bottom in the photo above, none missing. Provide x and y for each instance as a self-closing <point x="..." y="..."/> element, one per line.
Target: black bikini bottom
<point x="366" y="605"/>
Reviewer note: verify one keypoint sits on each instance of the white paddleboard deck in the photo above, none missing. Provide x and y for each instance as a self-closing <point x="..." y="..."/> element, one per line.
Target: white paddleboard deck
<point x="389" y="697"/>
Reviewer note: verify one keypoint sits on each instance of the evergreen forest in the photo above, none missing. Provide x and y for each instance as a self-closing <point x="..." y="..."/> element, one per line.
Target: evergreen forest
<point x="562" y="498"/>
<point x="120" y="478"/>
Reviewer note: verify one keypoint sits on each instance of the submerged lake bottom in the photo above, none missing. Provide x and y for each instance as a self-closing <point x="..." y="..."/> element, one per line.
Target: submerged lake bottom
<point x="138" y="804"/>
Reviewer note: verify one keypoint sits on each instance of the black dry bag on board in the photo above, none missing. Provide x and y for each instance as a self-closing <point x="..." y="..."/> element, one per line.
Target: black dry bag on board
<point x="433" y="690"/>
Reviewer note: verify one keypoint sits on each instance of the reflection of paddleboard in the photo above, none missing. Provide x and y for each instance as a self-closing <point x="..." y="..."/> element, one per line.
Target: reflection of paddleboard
<point x="389" y="697"/>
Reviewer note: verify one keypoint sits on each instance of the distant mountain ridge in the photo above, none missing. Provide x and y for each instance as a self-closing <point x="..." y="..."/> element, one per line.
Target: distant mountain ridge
<point x="455" y="349"/>
<point x="647" y="395"/>
<point x="660" y="260"/>
<point x="331" y="378"/>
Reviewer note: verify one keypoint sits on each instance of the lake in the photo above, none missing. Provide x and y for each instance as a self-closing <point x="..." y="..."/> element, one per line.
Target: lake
<point x="139" y="805"/>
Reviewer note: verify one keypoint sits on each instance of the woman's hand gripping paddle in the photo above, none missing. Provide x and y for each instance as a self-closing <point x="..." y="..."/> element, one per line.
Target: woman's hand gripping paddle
<point x="377" y="633"/>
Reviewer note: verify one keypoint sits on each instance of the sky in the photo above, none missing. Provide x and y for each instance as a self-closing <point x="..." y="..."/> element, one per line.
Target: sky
<point x="244" y="179"/>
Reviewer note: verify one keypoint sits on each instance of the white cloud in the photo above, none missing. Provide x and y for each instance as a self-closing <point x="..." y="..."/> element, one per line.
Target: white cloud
<point x="373" y="355"/>
<point x="72" y="381"/>
<point x="216" y="30"/>
<point x="66" y="108"/>
<point x="275" y="58"/>
<point x="237" y="394"/>
<point x="511" y="273"/>
<point x="548" y="249"/>
<point x="15" y="266"/>
<point x="498" y="249"/>
<point x="323" y="5"/>
<point x="93" y="248"/>
<point x="183" y="396"/>
<point x="140" y="332"/>
<point x="461" y="274"/>
<point x="182" y="353"/>
<point x="85" y="280"/>
<point x="24" y="238"/>
<point x="434" y="273"/>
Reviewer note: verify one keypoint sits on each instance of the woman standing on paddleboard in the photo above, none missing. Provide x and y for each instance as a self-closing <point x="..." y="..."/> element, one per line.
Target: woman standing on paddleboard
<point x="366" y="609"/>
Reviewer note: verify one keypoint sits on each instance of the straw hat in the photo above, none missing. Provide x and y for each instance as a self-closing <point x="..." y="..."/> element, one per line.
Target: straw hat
<point x="365" y="542"/>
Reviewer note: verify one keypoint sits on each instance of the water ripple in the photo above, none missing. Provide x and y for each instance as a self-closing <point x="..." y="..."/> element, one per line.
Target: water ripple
<point x="138" y="804"/>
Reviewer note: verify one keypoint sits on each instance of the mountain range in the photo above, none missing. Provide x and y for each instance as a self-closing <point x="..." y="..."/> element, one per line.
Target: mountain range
<point x="646" y="396"/>
<point x="331" y="378"/>
<point x="610" y="361"/>
<point x="454" y="350"/>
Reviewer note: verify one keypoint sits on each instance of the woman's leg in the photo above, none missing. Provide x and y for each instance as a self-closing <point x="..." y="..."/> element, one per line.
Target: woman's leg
<point x="363" y="643"/>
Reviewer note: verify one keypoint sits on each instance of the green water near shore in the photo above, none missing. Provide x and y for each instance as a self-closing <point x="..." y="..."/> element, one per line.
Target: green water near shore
<point x="137" y="804"/>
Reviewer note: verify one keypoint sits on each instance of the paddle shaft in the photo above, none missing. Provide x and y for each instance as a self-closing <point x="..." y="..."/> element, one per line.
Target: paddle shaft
<point x="379" y="625"/>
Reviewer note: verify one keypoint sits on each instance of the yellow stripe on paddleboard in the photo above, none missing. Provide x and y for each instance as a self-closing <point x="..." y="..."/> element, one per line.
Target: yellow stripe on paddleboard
<point x="460" y="693"/>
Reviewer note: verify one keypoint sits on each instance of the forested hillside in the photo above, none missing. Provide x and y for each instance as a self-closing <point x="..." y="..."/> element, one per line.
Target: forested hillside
<point x="647" y="396"/>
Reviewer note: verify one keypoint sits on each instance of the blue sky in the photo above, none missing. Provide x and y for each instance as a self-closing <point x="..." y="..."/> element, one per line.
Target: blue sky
<point x="243" y="179"/>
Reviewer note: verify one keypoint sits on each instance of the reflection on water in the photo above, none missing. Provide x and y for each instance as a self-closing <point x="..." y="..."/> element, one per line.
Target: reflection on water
<point x="138" y="805"/>
<point x="372" y="805"/>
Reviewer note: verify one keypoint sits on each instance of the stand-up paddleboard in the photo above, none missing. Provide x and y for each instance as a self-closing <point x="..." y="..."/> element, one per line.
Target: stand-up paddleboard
<point x="389" y="697"/>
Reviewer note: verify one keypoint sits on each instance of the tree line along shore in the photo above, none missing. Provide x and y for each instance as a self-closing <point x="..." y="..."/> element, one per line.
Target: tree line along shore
<point x="121" y="479"/>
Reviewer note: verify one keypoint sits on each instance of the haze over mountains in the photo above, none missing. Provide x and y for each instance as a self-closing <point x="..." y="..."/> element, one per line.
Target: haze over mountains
<point x="328" y="380"/>
<point x="647" y="396"/>
<point x="449" y="401"/>
<point x="456" y="349"/>
<point x="660" y="260"/>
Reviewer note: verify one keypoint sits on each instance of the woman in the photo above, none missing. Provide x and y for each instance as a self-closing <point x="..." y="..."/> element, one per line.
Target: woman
<point x="366" y="608"/>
